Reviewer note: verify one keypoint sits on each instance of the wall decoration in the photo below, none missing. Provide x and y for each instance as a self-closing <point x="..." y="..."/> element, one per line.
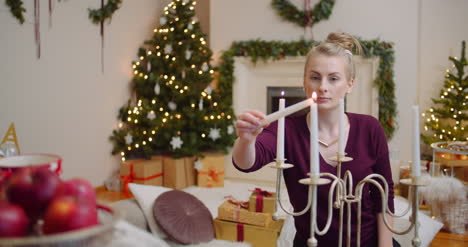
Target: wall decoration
<point x="321" y="11"/>
<point x="275" y="50"/>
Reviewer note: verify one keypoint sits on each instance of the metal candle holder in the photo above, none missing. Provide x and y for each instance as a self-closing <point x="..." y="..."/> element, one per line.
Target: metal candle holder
<point x="344" y="196"/>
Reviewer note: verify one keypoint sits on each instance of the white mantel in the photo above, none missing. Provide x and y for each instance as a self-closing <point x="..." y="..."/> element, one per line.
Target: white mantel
<point x="250" y="92"/>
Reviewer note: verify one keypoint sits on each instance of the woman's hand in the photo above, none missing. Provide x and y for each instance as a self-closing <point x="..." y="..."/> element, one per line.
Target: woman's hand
<point x="248" y="125"/>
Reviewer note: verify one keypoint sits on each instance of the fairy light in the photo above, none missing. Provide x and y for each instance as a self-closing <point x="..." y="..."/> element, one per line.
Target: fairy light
<point x="141" y="58"/>
<point x="134" y="66"/>
<point x="135" y="72"/>
<point x="193" y="36"/>
<point x="181" y="91"/>
<point x="173" y="58"/>
<point x="120" y="125"/>
<point x="164" y="120"/>
<point x="211" y="117"/>
<point x="150" y="139"/>
<point x="153" y="101"/>
<point x="146" y="76"/>
<point x="144" y="142"/>
<point x="192" y="105"/>
<point x="211" y="71"/>
<point x="166" y="114"/>
<point x="129" y="148"/>
<point x="193" y="66"/>
<point x="123" y="158"/>
<point x="203" y="135"/>
<point x="129" y="119"/>
<point x="161" y="109"/>
<point x="136" y="121"/>
<point x="200" y="72"/>
<point x="153" y="132"/>
<point x="228" y="116"/>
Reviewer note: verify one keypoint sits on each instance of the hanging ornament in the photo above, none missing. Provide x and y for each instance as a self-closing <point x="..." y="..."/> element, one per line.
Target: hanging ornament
<point x="198" y="165"/>
<point x="151" y="115"/>
<point x="214" y="134"/>
<point x="148" y="66"/>
<point x="190" y="26"/>
<point x="183" y="74"/>
<point x="168" y="49"/>
<point x="157" y="88"/>
<point x="200" y="104"/>
<point x="11" y="138"/>
<point x="186" y="1"/>
<point x="162" y="20"/>
<point x="188" y="54"/>
<point x="128" y="139"/>
<point x="176" y="142"/>
<point x="8" y="149"/>
<point x="172" y="105"/>
<point x="209" y="90"/>
<point x="205" y="67"/>
<point x="230" y="129"/>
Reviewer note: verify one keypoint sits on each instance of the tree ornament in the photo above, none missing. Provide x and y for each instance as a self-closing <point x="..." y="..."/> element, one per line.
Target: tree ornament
<point x="151" y="115"/>
<point x="172" y="105"/>
<point x="208" y="90"/>
<point x="205" y="67"/>
<point x="186" y="1"/>
<point x="168" y="49"/>
<point x="176" y="142"/>
<point x="128" y="139"/>
<point x="190" y="26"/>
<point x="230" y="129"/>
<point x="198" y="165"/>
<point x="157" y="88"/>
<point x="148" y="66"/>
<point x="214" y="133"/>
<point x="10" y="140"/>
<point x="162" y="21"/>
<point x="183" y="74"/>
<point x="188" y="54"/>
<point x="200" y="104"/>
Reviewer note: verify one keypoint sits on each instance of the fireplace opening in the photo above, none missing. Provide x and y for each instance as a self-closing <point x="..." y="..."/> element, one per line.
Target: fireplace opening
<point x="292" y="95"/>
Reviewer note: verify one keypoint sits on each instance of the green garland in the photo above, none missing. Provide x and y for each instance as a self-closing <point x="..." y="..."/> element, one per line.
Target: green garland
<point x="100" y="15"/>
<point x="322" y="11"/>
<point x="275" y="50"/>
<point x="16" y="9"/>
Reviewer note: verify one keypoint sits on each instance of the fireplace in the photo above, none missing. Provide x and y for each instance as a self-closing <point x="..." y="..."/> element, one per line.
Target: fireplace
<point x="292" y="95"/>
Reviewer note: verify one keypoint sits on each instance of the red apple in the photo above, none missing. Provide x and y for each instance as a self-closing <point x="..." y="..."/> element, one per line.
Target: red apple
<point x="32" y="188"/>
<point x="77" y="187"/>
<point x="69" y="213"/>
<point x="13" y="220"/>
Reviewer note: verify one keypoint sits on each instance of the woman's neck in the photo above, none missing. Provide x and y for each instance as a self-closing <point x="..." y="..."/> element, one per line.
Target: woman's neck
<point x="328" y="124"/>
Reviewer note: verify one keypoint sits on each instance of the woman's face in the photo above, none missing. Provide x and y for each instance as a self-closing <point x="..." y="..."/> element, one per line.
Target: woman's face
<point x="328" y="77"/>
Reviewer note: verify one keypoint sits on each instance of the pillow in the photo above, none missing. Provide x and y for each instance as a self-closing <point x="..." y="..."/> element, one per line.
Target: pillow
<point x="183" y="217"/>
<point x="145" y="196"/>
<point x="428" y="227"/>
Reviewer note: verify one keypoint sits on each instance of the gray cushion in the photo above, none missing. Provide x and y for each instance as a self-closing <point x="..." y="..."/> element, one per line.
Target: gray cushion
<point x="132" y="212"/>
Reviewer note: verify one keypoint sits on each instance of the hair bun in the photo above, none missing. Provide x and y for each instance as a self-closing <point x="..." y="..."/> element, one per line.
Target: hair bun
<point x="342" y="39"/>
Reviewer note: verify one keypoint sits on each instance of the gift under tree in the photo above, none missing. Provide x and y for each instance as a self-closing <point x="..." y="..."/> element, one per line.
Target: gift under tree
<point x="173" y="109"/>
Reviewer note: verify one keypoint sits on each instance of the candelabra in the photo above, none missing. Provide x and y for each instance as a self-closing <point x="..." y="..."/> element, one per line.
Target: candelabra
<point x="344" y="196"/>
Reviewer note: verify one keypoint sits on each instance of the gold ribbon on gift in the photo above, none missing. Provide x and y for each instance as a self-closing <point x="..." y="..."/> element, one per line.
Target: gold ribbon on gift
<point x="132" y="177"/>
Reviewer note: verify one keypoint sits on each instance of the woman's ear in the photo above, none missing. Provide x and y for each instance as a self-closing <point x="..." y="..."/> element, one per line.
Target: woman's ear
<point x="350" y="86"/>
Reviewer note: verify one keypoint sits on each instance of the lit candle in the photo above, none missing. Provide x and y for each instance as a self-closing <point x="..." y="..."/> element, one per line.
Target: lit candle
<point x="280" y="141"/>
<point x="286" y="111"/>
<point x="416" y="166"/>
<point x="314" y="153"/>
<point x="341" y="121"/>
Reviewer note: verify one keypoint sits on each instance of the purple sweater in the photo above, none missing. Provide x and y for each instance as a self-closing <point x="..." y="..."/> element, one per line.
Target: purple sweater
<point x="367" y="146"/>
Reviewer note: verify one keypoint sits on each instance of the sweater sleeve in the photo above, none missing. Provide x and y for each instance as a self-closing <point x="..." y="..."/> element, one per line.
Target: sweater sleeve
<point x="265" y="148"/>
<point x="381" y="166"/>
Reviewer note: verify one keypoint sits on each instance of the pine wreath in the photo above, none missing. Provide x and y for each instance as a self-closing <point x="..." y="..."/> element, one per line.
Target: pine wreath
<point x="321" y="11"/>
<point x="100" y="15"/>
<point x="16" y="9"/>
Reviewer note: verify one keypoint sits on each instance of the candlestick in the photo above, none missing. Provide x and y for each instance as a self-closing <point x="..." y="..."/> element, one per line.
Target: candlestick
<point x="314" y="153"/>
<point x="416" y="166"/>
<point x="286" y="111"/>
<point x="280" y="141"/>
<point x="341" y="139"/>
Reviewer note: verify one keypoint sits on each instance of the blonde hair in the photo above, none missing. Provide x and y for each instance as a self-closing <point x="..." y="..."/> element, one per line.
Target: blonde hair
<point x="338" y="44"/>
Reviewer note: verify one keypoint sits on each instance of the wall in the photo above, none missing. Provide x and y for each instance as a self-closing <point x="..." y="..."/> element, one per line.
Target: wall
<point x="424" y="33"/>
<point x="62" y="103"/>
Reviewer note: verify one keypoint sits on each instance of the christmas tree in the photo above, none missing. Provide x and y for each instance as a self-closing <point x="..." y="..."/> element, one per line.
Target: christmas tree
<point x="447" y="122"/>
<point x="173" y="109"/>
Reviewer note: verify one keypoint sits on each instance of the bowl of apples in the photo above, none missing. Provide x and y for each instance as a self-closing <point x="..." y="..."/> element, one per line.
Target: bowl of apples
<point x="38" y="208"/>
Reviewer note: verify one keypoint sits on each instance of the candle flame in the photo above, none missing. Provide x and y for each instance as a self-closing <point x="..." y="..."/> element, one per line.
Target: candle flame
<point x="314" y="96"/>
<point x="282" y="93"/>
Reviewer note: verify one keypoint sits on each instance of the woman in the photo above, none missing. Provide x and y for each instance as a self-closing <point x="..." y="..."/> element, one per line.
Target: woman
<point x="330" y="72"/>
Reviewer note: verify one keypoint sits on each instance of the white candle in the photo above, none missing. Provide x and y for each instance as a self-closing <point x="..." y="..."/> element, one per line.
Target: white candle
<point x="314" y="153"/>
<point x="280" y="138"/>
<point x="416" y="166"/>
<point x="341" y="121"/>
<point x="286" y="111"/>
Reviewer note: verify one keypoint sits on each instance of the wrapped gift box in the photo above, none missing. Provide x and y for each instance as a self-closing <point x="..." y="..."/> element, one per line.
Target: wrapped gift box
<point x="179" y="173"/>
<point x="256" y="235"/>
<point x="210" y="170"/>
<point x="148" y="172"/>
<point x="262" y="201"/>
<point x="232" y="212"/>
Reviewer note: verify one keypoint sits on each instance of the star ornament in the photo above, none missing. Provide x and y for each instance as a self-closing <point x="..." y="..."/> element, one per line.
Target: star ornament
<point x="214" y="134"/>
<point x="176" y="142"/>
<point x="128" y="139"/>
<point x="162" y="20"/>
<point x="198" y="165"/>
<point x="168" y="49"/>
<point x="230" y="129"/>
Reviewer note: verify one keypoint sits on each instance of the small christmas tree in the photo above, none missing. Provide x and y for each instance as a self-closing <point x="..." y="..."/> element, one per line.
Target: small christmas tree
<point x="448" y="121"/>
<point x="173" y="109"/>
